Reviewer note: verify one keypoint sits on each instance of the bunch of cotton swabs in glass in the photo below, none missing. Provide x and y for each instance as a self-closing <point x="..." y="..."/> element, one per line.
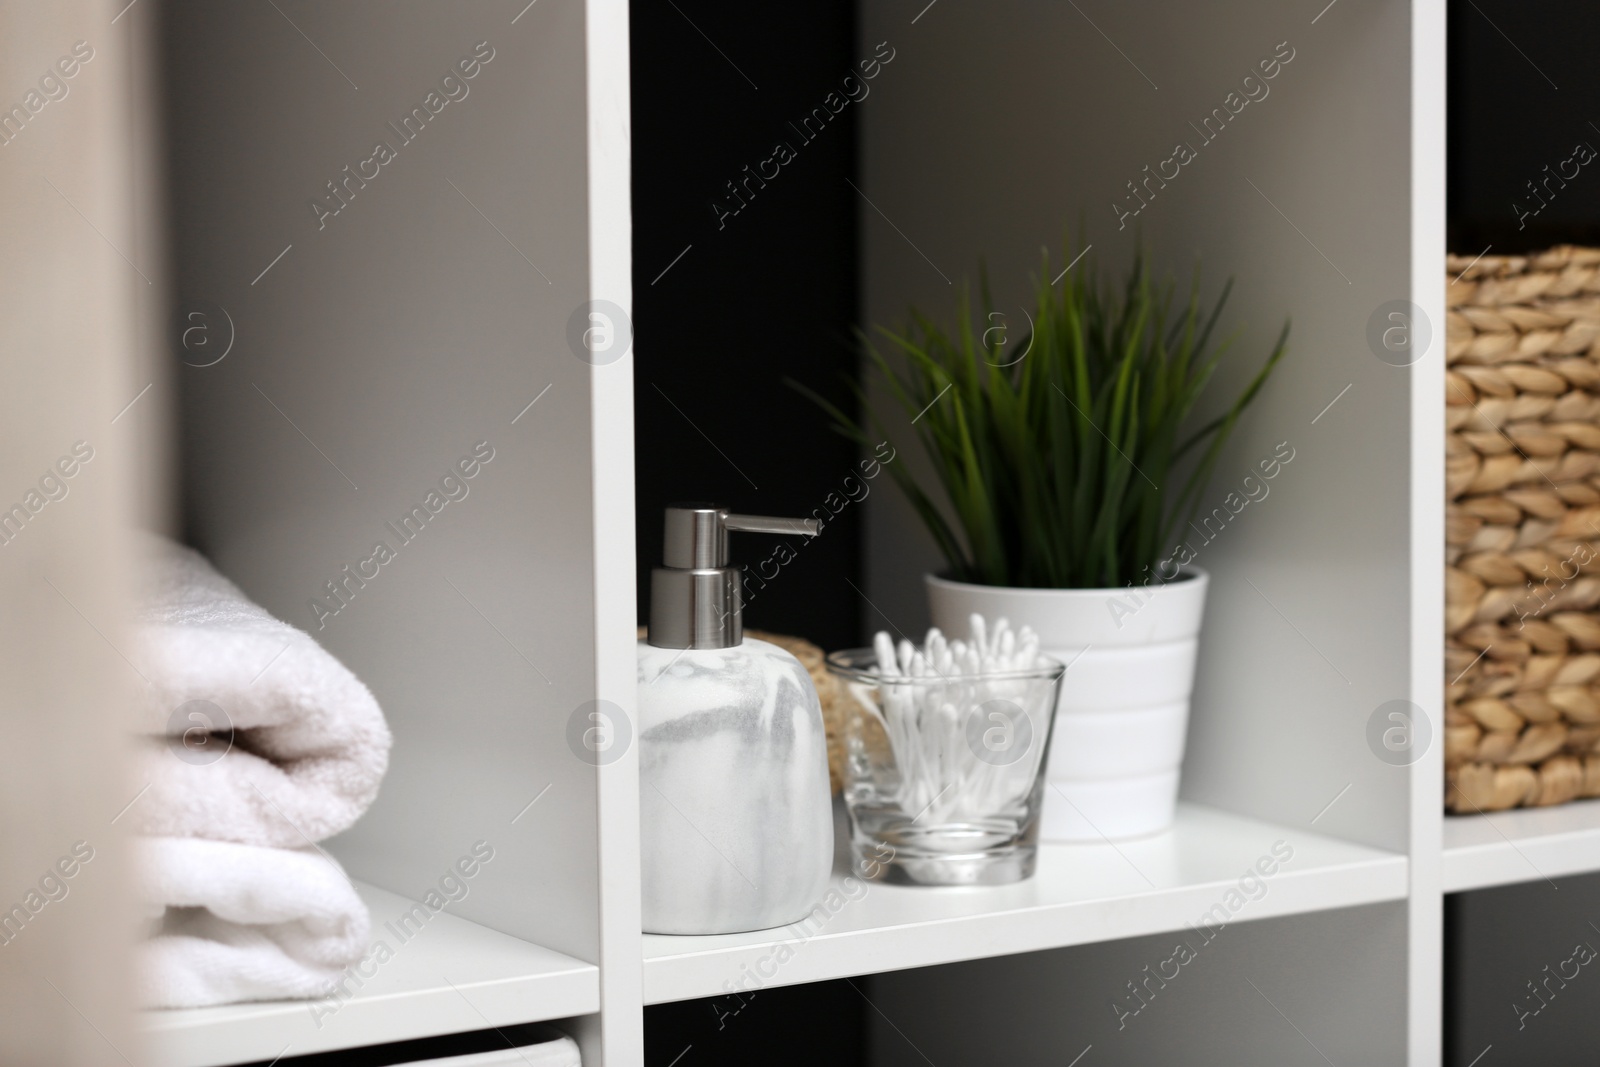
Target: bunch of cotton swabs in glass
<point x="927" y="701"/>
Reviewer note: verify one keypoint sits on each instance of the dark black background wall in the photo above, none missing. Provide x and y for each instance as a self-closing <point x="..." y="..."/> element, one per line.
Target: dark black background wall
<point x="1524" y="91"/>
<point x="724" y="310"/>
<point x="1497" y="942"/>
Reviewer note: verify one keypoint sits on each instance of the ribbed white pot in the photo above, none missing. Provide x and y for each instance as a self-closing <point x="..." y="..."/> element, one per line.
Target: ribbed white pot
<point x="1124" y="708"/>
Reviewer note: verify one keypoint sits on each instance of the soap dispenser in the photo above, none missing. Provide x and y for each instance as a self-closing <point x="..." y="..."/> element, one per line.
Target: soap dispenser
<point x="736" y="816"/>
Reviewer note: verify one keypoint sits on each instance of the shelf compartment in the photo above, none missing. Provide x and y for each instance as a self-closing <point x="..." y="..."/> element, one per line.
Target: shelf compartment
<point x="1081" y="894"/>
<point x="451" y="976"/>
<point x="1524" y="845"/>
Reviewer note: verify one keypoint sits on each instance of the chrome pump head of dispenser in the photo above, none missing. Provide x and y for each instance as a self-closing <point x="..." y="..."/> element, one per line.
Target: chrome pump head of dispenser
<point x="696" y="598"/>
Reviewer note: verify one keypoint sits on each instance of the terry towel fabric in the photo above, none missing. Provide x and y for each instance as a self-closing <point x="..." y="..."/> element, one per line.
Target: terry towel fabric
<point x="309" y="745"/>
<point x="560" y="1051"/>
<point x="237" y="922"/>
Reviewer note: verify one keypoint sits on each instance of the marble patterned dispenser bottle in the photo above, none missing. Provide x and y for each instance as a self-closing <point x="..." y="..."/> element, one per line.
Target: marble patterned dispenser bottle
<point x="736" y="818"/>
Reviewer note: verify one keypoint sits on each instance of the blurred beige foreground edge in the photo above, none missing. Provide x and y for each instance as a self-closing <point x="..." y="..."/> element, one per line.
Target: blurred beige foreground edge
<point x="80" y="300"/>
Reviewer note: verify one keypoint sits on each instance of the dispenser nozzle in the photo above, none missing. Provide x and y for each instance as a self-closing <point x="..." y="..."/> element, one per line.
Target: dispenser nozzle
<point x="696" y="598"/>
<point x="770" y="525"/>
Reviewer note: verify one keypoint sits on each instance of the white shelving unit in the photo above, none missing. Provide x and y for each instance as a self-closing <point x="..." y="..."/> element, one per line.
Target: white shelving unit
<point x="1081" y="894"/>
<point x="1323" y="199"/>
<point x="436" y="310"/>
<point x="448" y="976"/>
<point x="1527" y="845"/>
<point x="383" y="328"/>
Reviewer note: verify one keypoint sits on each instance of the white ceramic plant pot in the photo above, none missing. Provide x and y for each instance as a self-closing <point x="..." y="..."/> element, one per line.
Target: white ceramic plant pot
<point x="1124" y="708"/>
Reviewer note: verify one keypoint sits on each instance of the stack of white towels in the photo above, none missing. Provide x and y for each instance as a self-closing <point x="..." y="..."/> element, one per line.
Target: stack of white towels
<point x="242" y="903"/>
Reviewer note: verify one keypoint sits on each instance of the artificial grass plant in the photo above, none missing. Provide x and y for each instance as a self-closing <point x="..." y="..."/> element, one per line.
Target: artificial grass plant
<point x="1062" y="458"/>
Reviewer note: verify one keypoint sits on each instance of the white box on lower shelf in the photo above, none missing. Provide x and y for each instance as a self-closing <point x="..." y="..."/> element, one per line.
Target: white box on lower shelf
<point x="1525" y="845"/>
<point x="451" y="976"/>
<point x="1081" y="894"/>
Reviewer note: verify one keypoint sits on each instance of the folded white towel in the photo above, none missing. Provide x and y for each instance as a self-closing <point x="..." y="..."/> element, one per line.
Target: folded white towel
<point x="560" y="1052"/>
<point x="310" y="745"/>
<point x="237" y="922"/>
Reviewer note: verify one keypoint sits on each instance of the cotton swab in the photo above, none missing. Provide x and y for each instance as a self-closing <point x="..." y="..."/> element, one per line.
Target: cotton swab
<point x="927" y="700"/>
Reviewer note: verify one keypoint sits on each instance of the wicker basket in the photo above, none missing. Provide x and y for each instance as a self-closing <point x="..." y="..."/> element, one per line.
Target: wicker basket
<point x="1522" y="584"/>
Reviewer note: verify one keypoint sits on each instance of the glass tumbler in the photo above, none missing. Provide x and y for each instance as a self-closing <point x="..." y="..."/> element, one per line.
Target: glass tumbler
<point x="944" y="772"/>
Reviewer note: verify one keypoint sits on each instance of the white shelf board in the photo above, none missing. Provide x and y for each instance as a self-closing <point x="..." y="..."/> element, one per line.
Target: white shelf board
<point x="1080" y="894"/>
<point x="1524" y="845"/>
<point x="450" y="977"/>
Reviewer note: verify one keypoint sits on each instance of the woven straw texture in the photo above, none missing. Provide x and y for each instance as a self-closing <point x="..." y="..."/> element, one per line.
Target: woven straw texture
<point x="1522" y="583"/>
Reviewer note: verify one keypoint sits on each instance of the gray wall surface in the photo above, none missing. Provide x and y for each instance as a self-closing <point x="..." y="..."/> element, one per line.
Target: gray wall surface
<point x="373" y="348"/>
<point x="998" y="126"/>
